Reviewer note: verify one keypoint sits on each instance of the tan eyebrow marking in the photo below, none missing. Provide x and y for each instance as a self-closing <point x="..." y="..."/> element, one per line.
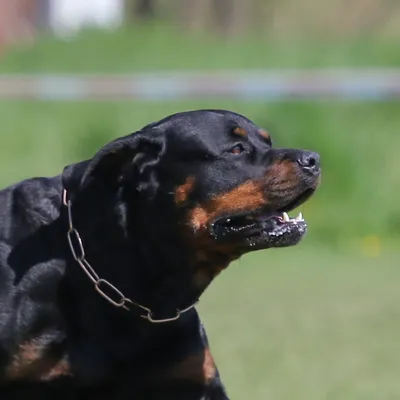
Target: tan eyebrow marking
<point x="182" y="192"/>
<point x="240" y="131"/>
<point x="265" y="134"/>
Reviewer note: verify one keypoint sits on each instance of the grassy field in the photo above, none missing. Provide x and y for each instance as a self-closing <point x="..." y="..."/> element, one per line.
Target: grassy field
<point x="307" y="323"/>
<point x="161" y="47"/>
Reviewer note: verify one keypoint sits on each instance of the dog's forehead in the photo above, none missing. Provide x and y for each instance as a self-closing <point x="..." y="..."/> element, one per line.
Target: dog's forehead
<point x="210" y="124"/>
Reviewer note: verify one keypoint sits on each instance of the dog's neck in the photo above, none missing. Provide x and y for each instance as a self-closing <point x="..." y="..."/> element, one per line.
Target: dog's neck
<point x="148" y="270"/>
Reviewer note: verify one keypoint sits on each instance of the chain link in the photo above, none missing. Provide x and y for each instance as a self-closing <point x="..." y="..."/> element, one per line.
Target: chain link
<point x="117" y="299"/>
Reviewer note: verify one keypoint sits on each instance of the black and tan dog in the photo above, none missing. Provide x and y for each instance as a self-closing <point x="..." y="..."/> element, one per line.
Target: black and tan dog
<point x="100" y="267"/>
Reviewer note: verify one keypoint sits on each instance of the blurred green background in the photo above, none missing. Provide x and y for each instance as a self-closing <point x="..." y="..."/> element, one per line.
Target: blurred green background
<point x="319" y="321"/>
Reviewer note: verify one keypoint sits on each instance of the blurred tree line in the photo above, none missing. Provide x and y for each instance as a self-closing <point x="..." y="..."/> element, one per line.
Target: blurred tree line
<point x="275" y="17"/>
<point x="21" y="19"/>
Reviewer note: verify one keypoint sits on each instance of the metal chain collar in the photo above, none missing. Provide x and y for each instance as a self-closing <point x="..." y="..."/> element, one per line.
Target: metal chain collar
<point x="119" y="300"/>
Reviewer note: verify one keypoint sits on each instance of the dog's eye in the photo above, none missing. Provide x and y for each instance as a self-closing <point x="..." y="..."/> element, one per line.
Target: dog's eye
<point x="237" y="149"/>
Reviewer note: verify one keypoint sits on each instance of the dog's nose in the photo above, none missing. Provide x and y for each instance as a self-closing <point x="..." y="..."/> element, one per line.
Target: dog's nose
<point x="309" y="161"/>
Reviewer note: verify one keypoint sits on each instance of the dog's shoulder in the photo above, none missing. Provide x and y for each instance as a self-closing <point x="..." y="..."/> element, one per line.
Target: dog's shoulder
<point x="29" y="273"/>
<point x="27" y="205"/>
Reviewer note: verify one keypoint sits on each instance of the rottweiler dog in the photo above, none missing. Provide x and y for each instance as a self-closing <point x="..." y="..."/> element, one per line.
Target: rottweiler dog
<point x="101" y="266"/>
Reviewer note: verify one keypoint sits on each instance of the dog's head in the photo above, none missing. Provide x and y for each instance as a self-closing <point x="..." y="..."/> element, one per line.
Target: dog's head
<point x="209" y="182"/>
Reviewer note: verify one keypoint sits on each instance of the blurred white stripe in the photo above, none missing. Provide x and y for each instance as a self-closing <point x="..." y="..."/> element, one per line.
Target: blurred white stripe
<point x="268" y="85"/>
<point x="68" y="16"/>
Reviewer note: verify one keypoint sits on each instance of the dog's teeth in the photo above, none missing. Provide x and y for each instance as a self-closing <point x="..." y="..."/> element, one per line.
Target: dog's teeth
<point x="300" y="217"/>
<point x="286" y="217"/>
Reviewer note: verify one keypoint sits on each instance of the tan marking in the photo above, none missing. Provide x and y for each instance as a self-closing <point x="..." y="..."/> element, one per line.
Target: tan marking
<point x="199" y="217"/>
<point x="265" y="134"/>
<point x="197" y="368"/>
<point x="282" y="175"/>
<point x="25" y="361"/>
<point x="62" y="368"/>
<point x="182" y="192"/>
<point x="34" y="361"/>
<point x="246" y="197"/>
<point x="240" y="132"/>
<point x="209" y="368"/>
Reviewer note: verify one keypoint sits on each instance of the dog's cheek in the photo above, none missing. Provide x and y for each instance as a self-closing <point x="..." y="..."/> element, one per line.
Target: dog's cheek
<point x="247" y="197"/>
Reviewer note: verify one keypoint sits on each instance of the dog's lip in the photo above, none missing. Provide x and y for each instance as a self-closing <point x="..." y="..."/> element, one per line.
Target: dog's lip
<point x="283" y="234"/>
<point x="302" y="198"/>
<point x="244" y="220"/>
<point x="259" y="221"/>
<point x="260" y="231"/>
<point x="263" y="225"/>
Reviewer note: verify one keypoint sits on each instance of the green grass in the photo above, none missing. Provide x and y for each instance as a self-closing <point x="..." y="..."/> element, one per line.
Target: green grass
<point x="307" y="323"/>
<point x="161" y="47"/>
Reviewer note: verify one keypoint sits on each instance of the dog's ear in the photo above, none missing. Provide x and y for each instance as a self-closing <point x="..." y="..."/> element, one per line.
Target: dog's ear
<point x="135" y="155"/>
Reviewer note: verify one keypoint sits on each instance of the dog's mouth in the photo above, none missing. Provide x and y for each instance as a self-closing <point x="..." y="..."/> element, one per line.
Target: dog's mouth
<point x="262" y="229"/>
